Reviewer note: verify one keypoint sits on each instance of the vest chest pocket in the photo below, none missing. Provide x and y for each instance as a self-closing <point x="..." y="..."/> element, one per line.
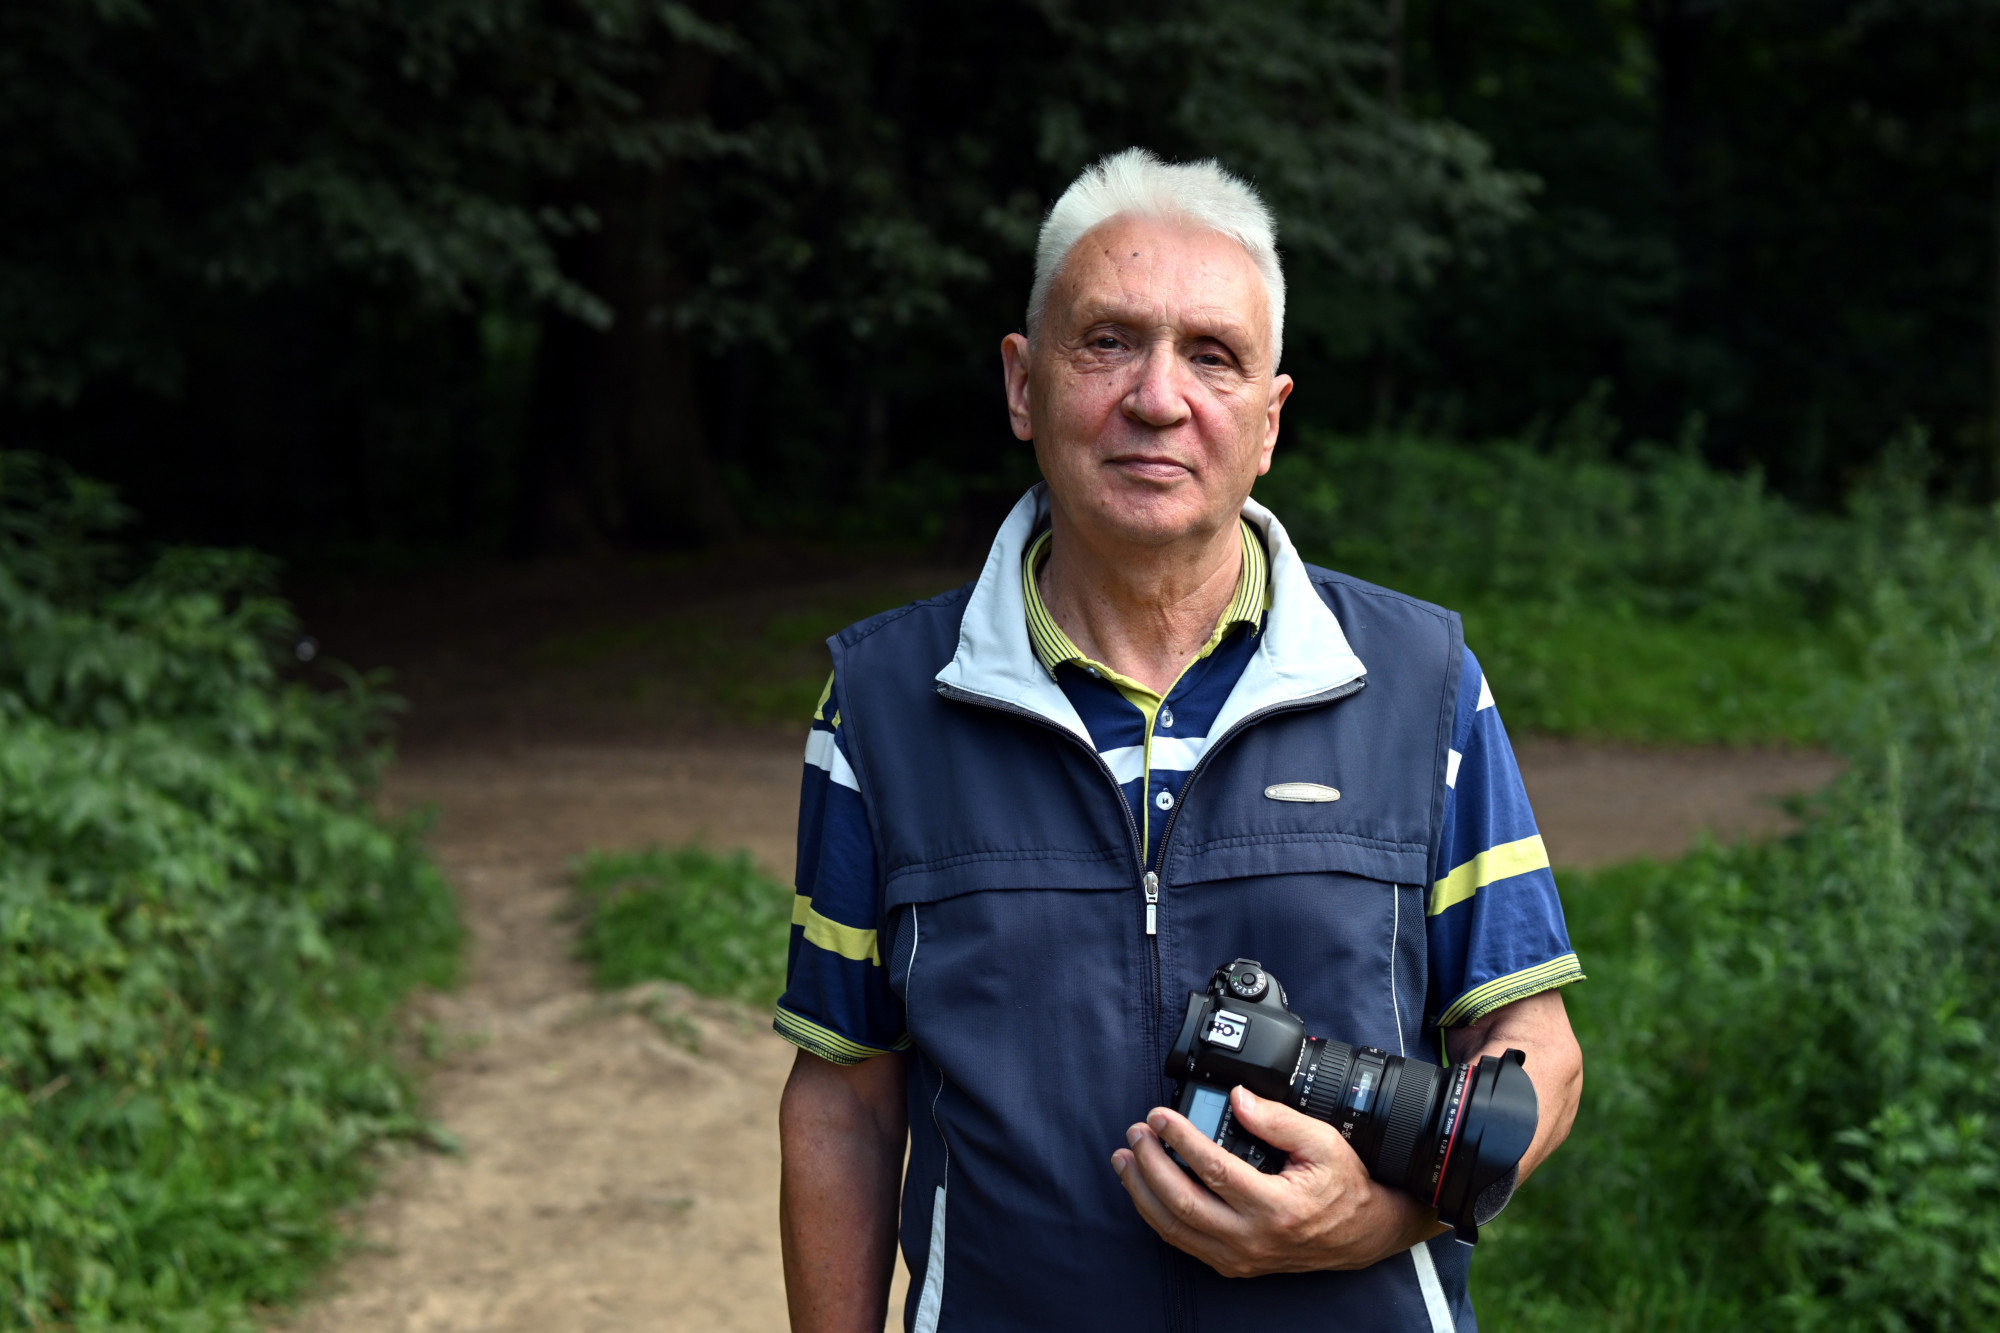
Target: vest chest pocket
<point x="1300" y="852"/>
<point x="1341" y="921"/>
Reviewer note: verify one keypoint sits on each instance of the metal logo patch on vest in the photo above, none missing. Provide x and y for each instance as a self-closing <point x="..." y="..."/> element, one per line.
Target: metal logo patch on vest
<point x="1301" y="791"/>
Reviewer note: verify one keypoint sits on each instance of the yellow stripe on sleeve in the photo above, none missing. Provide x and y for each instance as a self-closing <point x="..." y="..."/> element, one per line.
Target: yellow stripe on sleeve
<point x="1482" y="1000"/>
<point x="826" y="692"/>
<point x="847" y="941"/>
<point x="826" y="1043"/>
<point x="1495" y="863"/>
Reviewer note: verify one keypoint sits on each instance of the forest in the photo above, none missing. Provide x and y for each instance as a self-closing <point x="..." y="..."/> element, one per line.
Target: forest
<point x="1659" y="337"/>
<point x="379" y="282"/>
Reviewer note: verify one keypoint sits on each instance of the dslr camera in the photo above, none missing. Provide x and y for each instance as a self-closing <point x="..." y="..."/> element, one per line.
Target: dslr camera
<point x="1453" y="1137"/>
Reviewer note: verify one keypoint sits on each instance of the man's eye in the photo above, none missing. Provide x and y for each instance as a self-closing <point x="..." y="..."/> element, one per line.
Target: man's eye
<point x="1105" y="342"/>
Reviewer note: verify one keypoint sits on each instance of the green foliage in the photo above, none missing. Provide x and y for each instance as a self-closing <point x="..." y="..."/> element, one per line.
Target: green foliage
<point x="1781" y="216"/>
<point x="180" y="149"/>
<point x="204" y="931"/>
<point x="1792" y="1116"/>
<point x="685" y="914"/>
<point x="1656" y="600"/>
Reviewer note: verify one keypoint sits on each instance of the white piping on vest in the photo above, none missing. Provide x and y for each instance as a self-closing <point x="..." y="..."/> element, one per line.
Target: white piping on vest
<point x="1395" y="933"/>
<point x="1427" y="1280"/>
<point x="930" y="1302"/>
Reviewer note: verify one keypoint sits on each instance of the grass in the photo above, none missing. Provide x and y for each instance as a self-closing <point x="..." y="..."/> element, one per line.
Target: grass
<point x="712" y="922"/>
<point x="1610" y="674"/>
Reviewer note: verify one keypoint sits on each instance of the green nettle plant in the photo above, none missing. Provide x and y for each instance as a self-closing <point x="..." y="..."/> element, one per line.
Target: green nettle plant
<point x="205" y="930"/>
<point x="1792" y="1117"/>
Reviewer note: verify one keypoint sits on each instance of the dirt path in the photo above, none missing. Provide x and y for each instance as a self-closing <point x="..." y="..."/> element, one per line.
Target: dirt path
<point x="619" y="1168"/>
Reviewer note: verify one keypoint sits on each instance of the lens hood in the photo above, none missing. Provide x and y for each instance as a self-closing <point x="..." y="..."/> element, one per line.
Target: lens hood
<point x="1495" y="1129"/>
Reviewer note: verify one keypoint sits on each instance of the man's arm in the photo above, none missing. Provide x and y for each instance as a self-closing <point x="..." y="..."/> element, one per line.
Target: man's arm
<point x="1538" y="1027"/>
<point x="841" y="1129"/>
<point x="1323" y="1211"/>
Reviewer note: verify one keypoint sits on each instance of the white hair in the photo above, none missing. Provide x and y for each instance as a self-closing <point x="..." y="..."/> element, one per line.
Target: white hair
<point x="1136" y="183"/>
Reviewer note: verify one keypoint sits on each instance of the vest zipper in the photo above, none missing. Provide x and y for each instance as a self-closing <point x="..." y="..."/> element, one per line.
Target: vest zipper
<point x="1179" y="1315"/>
<point x="1149" y="882"/>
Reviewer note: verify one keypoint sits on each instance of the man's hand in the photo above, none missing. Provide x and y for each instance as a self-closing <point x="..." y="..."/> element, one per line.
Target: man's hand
<point x="1321" y="1211"/>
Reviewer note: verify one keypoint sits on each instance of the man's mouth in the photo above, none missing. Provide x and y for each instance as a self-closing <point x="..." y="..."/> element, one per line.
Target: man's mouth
<point x="1151" y="467"/>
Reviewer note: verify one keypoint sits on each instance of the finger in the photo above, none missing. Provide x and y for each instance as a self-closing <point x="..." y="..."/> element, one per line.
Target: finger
<point x="1227" y="1175"/>
<point x="1309" y="1141"/>
<point x="1182" y="1212"/>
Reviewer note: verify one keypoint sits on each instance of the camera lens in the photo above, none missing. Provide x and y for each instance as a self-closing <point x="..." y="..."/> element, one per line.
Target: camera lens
<point x="1451" y="1136"/>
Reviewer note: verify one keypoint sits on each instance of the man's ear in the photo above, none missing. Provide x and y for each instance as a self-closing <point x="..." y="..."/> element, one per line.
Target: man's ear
<point x="1281" y="389"/>
<point x="1015" y="356"/>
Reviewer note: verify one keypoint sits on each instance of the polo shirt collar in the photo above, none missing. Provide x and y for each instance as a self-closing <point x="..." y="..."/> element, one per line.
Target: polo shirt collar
<point x="1301" y="652"/>
<point x="1246" y="604"/>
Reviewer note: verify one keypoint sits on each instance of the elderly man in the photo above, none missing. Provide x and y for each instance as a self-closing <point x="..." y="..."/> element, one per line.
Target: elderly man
<point x="1038" y="810"/>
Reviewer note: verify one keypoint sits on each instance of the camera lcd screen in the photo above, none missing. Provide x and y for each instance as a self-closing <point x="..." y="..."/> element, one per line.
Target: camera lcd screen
<point x="1205" y="1111"/>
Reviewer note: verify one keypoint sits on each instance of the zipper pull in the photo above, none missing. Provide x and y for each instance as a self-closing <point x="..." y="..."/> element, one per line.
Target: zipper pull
<point x="1152" y="903"/>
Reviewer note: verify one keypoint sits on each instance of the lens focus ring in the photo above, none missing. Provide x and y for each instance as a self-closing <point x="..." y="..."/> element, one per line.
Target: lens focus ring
<point x="1416" y="1088"/>
<point x="1329" y="1082"/>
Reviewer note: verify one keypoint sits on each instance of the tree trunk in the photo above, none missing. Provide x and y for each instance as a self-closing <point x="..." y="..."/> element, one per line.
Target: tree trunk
<point x="618" y="453"/>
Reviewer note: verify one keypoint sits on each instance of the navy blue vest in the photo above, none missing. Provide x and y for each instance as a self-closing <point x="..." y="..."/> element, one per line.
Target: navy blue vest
<point x="1013" y="930"/>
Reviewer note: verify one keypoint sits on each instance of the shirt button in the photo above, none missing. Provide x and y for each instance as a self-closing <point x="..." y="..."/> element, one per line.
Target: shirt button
<point x="1166" y="717"/>
<point x="1165" y="800"/>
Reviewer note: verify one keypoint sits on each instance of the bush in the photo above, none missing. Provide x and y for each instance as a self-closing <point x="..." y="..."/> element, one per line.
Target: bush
<point x="685" y="914"/>
<point x="1792" y="1109"/>
<point x="204" y="931"/>
<point x="1654" y="600"/>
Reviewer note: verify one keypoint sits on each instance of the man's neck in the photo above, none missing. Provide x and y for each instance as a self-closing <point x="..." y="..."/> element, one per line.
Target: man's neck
<point x="1144" y="613"/>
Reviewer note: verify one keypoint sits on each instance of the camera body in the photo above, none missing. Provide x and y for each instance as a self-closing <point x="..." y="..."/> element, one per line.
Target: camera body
<point x="1453" y="1137"/>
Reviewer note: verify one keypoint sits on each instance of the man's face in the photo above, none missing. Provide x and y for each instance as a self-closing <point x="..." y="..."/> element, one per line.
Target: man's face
<point x="1148" y="388"/>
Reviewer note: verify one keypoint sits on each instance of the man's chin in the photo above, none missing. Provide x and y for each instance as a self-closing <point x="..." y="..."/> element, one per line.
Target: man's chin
<point x="1154" y="518"/>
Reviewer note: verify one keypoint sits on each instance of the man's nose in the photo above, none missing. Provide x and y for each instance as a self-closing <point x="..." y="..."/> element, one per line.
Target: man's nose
<point x="1158" y="398"/>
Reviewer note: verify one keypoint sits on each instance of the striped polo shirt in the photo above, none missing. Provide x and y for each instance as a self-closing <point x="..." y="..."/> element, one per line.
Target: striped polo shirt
<point x="1494" y="928"/>
<point x="1151" y="742"/>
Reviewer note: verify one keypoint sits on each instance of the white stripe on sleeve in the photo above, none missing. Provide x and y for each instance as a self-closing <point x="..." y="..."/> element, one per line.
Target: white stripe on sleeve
<point x="823" y="751"/>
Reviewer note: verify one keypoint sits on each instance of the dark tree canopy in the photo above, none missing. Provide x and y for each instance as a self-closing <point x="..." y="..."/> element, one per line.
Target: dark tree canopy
<point x="497" y="273"/>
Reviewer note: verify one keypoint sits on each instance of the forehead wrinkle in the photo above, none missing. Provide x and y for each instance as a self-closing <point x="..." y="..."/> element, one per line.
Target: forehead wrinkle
<point x="1138" y="310"/>
<point x="1128" y="269"/>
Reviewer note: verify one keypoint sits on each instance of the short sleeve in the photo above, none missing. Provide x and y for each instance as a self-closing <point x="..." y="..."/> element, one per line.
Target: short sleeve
<point x="1495" y="923"/>
<point x="837" y="1001"/>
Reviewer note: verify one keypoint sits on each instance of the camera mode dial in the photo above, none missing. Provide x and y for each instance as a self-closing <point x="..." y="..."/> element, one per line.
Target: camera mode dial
<point x="1247" y="981"/>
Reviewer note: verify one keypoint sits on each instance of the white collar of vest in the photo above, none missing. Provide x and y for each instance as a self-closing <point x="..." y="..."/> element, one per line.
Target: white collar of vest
<point x="1301" y="652"/>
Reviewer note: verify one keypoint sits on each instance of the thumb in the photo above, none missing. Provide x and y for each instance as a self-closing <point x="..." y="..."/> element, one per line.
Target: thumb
<point x="1295" y="1132"/>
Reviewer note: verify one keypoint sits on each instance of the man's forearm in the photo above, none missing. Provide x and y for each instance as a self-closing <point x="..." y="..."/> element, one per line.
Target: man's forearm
<point x="842" y="1130"/>
<point x="1538" y="1027"/>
